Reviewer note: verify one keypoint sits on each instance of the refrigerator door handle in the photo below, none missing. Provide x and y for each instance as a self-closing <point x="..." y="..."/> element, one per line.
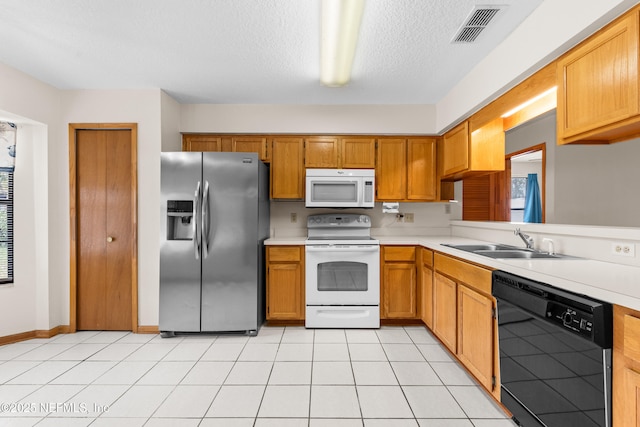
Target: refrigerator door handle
<point x="206" y="220"/>
<point x="196" y="232"/>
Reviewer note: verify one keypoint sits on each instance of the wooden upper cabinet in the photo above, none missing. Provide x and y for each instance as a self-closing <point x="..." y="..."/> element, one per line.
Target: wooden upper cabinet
<point x="456" y="150"/>
<point x="598" y="98"/>
<point x="195" y="142"/>
<point x="357" y="153"/>
<point x="287" y="168"/>
<point x="421" y="168"/>
<point x="406" y="169"/>
<point x="341" y="153"/>
<point x="321" y="152"/>
<point x="470" y="153"/>
<point x="251" y="144"/>
<point x="241" y="144"/>
<point x="391" y="170"/>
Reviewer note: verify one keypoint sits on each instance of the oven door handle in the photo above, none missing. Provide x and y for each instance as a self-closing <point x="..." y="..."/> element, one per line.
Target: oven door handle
<point x="327" y="248"/>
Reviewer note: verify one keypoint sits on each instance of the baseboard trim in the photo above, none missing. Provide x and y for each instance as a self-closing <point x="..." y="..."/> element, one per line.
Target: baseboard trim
<point x="148" y="329"/>
<point x="279" y="322"/>
<point x="38" y="333"/>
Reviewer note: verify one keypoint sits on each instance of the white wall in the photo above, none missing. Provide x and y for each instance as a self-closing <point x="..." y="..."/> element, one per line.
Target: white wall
<point x="128" y="106"/>
<point x="429" y="219"/>
<point x="39" y="297"/>
<point x="170" y="122"/>
<point x="28" y="304"/>
<point x="585" y="184"/>
<point x="598" y="185"/>
<point x="332" y="119"/>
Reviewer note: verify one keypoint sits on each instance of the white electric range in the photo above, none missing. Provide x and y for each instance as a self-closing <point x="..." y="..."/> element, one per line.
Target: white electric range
<point x="342" y="272"/>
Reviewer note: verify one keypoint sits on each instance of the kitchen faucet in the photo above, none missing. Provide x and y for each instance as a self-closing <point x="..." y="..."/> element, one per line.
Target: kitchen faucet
<point x="528" y="240"/>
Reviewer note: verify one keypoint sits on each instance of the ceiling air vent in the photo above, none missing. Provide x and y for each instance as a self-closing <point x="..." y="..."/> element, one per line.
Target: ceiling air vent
<point x="476" y="22"/>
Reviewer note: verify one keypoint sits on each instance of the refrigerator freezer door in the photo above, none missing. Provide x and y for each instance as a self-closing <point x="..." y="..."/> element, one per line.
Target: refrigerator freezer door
<point x="179" y="266"/>
<point x="230" y="269"/>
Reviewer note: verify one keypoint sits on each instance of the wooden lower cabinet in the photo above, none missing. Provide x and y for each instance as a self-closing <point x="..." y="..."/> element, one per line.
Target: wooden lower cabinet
<point x="285" y="283"/>
<point x="425" y="287"/>
<point x="399" y="289"/>
<point x="464" y="317"/>
<point x="626" y="367"/>
<point x="477" y="334"/>
<point x="444" y="310"/>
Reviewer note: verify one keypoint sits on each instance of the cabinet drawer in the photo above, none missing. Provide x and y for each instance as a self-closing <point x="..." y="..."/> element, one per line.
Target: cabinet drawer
<point x="284" y="254"/>
<point x="399" y="253"/>
<point x="469" y="274"/>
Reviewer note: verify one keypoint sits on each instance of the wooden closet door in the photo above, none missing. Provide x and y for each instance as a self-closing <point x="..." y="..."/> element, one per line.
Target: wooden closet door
<point x="104" y="229"/>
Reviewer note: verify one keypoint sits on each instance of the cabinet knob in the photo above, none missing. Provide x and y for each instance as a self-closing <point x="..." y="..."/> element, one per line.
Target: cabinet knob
<point x="110" y="239"/>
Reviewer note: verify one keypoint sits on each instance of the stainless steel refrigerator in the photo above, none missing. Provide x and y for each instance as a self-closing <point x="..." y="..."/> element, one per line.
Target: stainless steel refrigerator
<point x="215" y="218"/>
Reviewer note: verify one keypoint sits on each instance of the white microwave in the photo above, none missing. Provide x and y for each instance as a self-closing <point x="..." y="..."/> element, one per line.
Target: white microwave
<point x="340" y="188"/>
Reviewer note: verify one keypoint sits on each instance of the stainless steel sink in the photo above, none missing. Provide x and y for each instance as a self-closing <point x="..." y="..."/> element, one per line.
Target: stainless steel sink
<point x="499" y="251"/>
<point x="482" y="247"/>
<point x="517" y="253"/>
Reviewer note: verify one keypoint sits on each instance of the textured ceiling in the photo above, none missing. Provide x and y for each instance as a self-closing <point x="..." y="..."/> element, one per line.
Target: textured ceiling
<point x="246" y="51"/>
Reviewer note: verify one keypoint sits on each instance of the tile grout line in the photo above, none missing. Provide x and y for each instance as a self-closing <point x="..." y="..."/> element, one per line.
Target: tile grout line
<point x="280" y="341"/>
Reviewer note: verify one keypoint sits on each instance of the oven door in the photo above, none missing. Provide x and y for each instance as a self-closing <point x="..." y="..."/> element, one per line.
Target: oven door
<point x="342" y="274"/>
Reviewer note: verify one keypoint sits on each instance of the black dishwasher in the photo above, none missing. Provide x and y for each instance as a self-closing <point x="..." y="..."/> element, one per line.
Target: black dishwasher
<point x="555" y="354"/>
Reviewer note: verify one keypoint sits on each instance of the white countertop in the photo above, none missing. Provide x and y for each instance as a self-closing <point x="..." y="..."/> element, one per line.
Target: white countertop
<point x="614" y="283"/>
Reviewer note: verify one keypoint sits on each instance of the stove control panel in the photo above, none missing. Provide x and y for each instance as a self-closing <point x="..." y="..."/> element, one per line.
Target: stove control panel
<point x="338" y="221"/>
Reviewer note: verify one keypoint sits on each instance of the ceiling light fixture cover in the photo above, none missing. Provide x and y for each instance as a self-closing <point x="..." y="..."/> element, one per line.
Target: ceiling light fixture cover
<point x="339" y="36"/>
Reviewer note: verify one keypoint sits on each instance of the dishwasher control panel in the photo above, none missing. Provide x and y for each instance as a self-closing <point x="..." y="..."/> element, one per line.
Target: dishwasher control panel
<point x="578" y="314"/>
<point x="571" y="318"/>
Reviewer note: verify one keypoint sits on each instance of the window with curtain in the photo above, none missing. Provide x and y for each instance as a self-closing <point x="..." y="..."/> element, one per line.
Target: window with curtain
<point x="532" y="201"/>
<point x="518" y="192"/>
<point x="6" y="227"/>
<point x="7" y="165"/>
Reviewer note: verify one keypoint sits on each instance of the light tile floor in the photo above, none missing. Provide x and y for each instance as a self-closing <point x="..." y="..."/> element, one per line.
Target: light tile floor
<point x="284" y="377"/>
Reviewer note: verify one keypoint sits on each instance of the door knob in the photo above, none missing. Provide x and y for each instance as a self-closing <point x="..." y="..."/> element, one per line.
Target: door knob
<point x="110" y="239"/>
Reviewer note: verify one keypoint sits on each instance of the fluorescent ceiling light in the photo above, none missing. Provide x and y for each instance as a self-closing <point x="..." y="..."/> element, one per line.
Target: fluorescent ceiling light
<point x="529" y="102"/>
<point x="339" y="36"/>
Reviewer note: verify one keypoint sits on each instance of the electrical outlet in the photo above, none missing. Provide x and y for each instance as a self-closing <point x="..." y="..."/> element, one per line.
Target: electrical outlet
<point x="400" y="217"/>
<point x="623" y="249"/>
<point x="294" y="217"/>
<point x="408" y="217"/>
